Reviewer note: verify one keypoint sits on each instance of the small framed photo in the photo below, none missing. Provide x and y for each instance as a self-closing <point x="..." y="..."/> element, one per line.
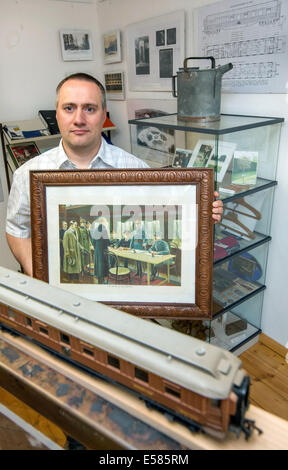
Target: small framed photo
<point x="147" y="251"/>
<point x="21" y="153"/>
<point x="181" y="158"/>
<point x="114" y="85"/>
<point x="245" y="167"/>
<point x="203" y="151"/>
<point x="112" y="47"/>
<point x="76" y="44"/>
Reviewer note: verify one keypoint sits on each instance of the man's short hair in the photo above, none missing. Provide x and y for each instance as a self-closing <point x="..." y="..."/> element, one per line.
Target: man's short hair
<point x="86" y="78"/>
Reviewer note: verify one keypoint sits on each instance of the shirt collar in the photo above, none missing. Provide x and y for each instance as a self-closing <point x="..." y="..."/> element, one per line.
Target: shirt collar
<point x="104" y="154"/>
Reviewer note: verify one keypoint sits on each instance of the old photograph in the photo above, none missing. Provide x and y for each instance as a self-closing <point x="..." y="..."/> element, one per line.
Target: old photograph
<point x="142" y="53"/>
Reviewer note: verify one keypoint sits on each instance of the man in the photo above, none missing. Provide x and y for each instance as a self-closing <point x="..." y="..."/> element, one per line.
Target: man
<point x="72" y="256"/>
<point x="159" y="247"/>
<point x="81" y="113"/>
<point x="84" y="240"/>
<point x="139" y="242"/>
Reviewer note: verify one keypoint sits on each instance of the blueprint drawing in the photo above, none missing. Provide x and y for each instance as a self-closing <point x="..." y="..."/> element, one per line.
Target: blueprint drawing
<point x="253" y="35"/>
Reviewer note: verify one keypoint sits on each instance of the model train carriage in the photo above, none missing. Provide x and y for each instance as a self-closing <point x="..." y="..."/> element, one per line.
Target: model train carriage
<point x="193" y="380"/>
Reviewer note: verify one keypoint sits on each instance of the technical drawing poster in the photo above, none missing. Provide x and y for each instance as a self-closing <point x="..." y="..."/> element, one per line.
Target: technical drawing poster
<point x="253" y="36"/>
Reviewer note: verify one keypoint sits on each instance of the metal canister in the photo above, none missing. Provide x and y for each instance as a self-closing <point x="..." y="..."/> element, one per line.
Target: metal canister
<point x="199" y="91"/>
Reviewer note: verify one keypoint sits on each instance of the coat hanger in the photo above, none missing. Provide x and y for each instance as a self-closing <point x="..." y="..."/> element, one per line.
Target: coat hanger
<point x="232" y="217"/>
<point x="241" y="202"/>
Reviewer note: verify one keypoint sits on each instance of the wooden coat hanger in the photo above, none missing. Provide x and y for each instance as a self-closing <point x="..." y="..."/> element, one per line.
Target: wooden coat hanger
<point x="232" y="217"/>
<point x="241" y="202"/>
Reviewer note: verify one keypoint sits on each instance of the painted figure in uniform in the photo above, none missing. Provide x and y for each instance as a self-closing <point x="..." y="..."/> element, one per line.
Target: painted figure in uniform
<point x="72" y="256"/>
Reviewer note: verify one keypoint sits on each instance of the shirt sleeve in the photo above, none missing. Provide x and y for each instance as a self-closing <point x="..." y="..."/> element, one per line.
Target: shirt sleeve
<point x="18" y="208"/>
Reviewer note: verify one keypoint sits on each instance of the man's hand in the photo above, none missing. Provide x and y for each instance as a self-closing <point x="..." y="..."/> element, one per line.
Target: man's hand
<point x="217" y="208"/>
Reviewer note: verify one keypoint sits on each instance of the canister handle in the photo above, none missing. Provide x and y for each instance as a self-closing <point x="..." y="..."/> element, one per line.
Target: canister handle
<point x="199" y="58"/>
<point x="174" y="93"/>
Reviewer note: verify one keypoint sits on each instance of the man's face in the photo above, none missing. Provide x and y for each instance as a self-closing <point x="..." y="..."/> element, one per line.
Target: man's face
<point x="80" y="115"/>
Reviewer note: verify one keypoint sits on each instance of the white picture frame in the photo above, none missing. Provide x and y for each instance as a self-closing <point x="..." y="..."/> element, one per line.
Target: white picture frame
<point x="114" y="85"/>
<point x="225" y="155"/>
<point x="155" y="51"/>
<point x="202" y="152"/>
<point x="204" y="156"/>
<point x="76" y="44"/>
<point x="112" y="47"/>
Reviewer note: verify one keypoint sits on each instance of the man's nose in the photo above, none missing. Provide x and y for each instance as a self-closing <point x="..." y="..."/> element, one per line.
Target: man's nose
<point x="79" y="117"/>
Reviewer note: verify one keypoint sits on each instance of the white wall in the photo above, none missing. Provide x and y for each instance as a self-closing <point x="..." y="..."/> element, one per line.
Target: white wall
<point x="31" y="66"/>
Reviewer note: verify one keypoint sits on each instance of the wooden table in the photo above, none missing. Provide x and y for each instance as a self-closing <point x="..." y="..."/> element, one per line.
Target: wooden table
<point x="144" y="257"/>
<point x="103" y="416"/>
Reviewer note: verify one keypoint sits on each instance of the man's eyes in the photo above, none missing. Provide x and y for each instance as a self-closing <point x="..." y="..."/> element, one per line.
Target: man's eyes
<point x="87" y="109"/>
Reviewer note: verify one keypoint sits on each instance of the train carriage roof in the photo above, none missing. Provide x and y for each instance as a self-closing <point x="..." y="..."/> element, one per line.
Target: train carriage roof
<point x="181" y="359"/>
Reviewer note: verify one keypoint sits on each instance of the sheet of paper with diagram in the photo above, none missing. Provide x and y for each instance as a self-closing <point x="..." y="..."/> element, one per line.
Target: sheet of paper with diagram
<point x="253" y="35"/>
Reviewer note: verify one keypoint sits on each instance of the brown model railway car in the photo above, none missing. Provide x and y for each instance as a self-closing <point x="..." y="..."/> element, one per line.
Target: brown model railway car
<point x="190" y="380"/>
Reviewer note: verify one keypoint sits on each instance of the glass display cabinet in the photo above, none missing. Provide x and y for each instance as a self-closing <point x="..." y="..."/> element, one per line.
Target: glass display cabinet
<point x="243" y="150"/>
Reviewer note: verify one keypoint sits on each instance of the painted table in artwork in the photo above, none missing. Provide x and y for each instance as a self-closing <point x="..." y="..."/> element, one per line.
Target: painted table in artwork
<point x="145" y="257"/>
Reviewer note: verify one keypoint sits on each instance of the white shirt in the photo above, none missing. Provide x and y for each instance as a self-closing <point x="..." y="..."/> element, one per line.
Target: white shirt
<point x="18" y="208"/>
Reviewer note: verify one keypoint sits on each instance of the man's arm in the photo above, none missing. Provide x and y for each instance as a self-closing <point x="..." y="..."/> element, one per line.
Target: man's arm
<point x="21" y="249"/>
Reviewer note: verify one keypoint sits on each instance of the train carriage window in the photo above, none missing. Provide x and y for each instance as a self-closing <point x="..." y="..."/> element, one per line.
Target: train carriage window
<point x="28" y="321"/>
<point x="11" y="314"/>
<point x="173" y="390"/>
<point x="215" y="403"/>
<point x="88" y="352"/>
<point x="113" y="361"/>
<point x="141" y="374"/>
<point x="64" y="338"/>
<point x="44" y="331"/>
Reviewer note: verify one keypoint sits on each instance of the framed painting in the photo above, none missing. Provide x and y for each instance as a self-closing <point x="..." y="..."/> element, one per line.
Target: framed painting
<point x="76" y="44"/>
<point x="112" y="47"/>
<point x="21" y="153"/>
<point x="140" y="240"/>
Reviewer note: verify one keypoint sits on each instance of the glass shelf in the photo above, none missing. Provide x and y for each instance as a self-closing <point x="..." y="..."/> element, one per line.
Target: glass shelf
<point x="229" y="246"/>
<point x="243" y="150"/>
<point x="227" y="124"/>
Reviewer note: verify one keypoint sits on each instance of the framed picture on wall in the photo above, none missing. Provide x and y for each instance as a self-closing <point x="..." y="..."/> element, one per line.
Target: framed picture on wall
<point x="114" y="85"/>
<point x="21" y="153"/>
<point x="155" y="50"/>
<point x="150" y="231"/>
<point x="76" y="44"/>
<point x="112" y="47"/>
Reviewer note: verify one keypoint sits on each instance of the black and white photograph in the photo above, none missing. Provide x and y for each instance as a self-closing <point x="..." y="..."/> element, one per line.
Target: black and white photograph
<point x="142" y="56"/>
<point x="166" y="63"/>
<point x="155" y="51"/>
<point x="160" y="37"/>
<point x="171" y="36"/>
<point x="76" y="45"/>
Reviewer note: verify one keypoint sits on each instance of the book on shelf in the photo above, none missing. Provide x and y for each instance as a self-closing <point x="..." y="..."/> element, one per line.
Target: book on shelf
<point x="14" y="133"/>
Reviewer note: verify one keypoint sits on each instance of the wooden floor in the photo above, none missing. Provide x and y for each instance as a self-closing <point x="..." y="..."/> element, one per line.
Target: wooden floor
<point x="265" y="362"/>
